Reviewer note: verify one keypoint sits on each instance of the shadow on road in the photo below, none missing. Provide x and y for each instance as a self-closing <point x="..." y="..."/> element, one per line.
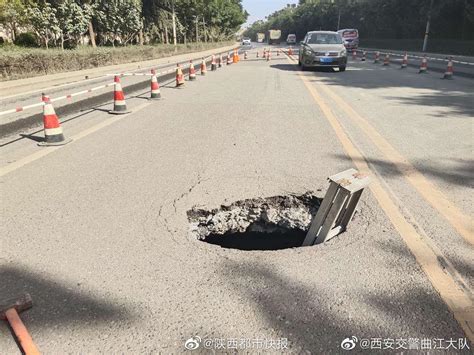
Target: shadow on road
<point x="56" y="304"/>
<point x="462" y="174"/>
<point x="446" y="94"/>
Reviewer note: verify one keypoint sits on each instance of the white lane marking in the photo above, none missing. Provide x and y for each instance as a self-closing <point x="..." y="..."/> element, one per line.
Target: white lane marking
<point x="44" y="151"/>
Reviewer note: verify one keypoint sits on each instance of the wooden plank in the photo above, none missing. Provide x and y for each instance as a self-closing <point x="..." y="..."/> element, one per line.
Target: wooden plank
<point x="350" y="209"/>
<point x="332" y="216"/>
<point x="323" y="210"/>
<point x="346" y="174"/>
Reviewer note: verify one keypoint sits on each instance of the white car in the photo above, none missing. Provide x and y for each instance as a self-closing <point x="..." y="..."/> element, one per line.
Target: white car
<point x="246" y="42"/>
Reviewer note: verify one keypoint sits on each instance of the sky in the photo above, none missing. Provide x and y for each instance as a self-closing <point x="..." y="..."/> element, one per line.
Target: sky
<point x="258" y="9"/>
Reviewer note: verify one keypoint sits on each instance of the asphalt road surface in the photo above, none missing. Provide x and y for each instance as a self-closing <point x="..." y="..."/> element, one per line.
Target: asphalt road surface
<point x="97" y="231"/>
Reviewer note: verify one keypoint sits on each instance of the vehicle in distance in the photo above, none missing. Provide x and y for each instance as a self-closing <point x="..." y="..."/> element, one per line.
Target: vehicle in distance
<point x="274" y="36"/>
<point x="322" y="49"/>
<point x="260" y="37"/>
<point x="246" y="41"/>
<point x="291" y="39"/>
<point x="350" y="37"/>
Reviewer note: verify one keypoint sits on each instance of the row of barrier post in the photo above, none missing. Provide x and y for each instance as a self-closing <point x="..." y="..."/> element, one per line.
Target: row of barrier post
<point x="53" y="133"/>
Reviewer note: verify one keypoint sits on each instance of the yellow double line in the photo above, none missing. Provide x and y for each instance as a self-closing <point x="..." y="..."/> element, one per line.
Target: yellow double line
<point x="458" y="299"/>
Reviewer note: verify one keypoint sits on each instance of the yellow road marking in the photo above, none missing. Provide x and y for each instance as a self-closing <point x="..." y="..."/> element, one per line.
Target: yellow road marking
<point x="461" y="222"/>
<point x="458" y="300"/>
<point x="44" y="151"/>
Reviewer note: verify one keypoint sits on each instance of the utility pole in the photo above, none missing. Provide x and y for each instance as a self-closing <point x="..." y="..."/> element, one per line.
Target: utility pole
<point x="427" y="31"/>
<point x="339" y="19"/>
<point x="174" y="23"/>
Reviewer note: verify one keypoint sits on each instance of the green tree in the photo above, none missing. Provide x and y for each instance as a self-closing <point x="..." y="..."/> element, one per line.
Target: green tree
<point x="44" y="22"/>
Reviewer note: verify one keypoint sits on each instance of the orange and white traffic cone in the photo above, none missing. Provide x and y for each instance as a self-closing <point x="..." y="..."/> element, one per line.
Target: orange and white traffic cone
<point x="120" y="106"/>
<point x="53" y="133"/>
<point x="404" y="61"/>
<point x="290" y="51"/>
<point x="234" y="57"/>
<point x="179" y="76"/>
<point x="192" y="71"/>
<point x="203" y="67"/>
<point x="423" y="66"/>
<point x="376" y="57"/>
<point x="213" y="63"/>
<point x="155" y="87"/>
<point x="364" y="56"/>
<point x="448" y="74"/>
<point x="386" y="60"/>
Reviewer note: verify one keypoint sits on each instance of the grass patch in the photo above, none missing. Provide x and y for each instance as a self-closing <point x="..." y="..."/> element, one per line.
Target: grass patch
<point x="442" y="46"/>
<point x="17" y="62"/>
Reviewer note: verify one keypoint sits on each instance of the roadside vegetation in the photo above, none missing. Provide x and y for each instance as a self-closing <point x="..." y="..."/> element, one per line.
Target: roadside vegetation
<point x="42" y="37"/>
<point x="390" y="24"/>
<point x="18" y="63"/>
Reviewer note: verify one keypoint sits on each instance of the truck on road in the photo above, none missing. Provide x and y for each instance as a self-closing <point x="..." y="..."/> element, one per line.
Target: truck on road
<point x="260" y="37"/>
<point x="274" y="36"/>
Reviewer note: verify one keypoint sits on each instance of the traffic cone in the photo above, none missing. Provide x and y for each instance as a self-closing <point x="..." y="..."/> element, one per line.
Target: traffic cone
<point x="213" y="63"/>
<point x="404" y="61"/>
<point x="386" y="60"/>
<point x="192" y="71"/>
<point x="354" y="54"/>
<point x="376" y="57"/>
<point x="53" y="133"/>
<point x="203" y="67"/>
<point x="423" y="66"/>
<point x="229" y="59"/>
<point x="179" y="76"/>
<point x="290" y="51"/>
<point x="234" y="57"/>
<point x="220" y="61"/>
<point x="155" y="86"/>
<point x="120" y="106"/>
<point x="364" y="56"/>
<point x="448" y="74"/>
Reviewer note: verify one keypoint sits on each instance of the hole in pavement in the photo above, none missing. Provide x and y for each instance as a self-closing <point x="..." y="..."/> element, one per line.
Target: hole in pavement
<point x="272" y="223"/>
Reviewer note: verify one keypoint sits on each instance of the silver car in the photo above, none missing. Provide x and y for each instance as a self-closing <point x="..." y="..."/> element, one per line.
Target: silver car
<point x="323" y="49"/>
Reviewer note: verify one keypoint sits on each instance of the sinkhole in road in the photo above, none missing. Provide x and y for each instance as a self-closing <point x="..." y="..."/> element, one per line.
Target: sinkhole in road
<point x="272" y="223"/>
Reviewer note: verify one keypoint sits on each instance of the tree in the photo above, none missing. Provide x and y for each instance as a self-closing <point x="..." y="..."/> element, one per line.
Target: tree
<point x="44" y="22"/>
<point x="12" y="16"/>
<point x="73" y="21"/>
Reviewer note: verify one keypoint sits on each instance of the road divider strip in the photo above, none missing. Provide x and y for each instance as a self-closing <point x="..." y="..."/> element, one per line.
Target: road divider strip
<point x="83" y="92"/>
<point x="457" y="299"/>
